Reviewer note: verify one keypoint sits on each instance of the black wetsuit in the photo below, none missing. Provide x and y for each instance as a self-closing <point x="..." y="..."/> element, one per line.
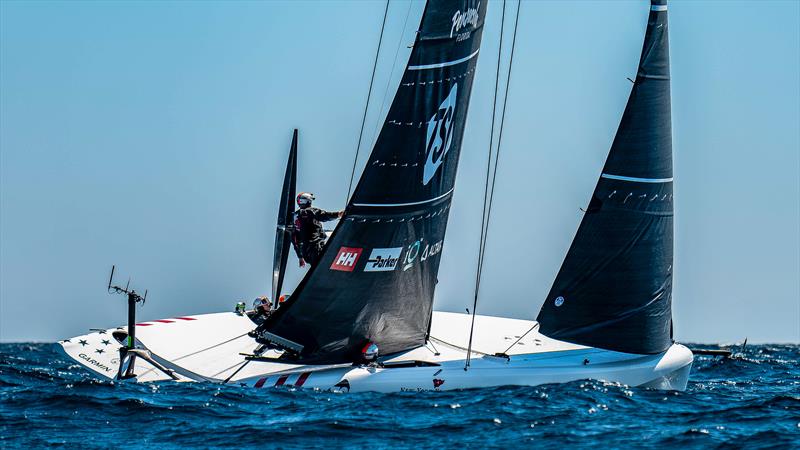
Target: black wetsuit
<point x="308" y="236"/>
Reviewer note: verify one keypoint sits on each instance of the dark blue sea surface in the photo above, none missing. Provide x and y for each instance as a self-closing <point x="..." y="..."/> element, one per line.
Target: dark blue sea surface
<point x="752" y="401"/>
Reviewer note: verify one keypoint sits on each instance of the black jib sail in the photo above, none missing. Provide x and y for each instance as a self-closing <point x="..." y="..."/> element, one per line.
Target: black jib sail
<point x="376" y="278"/>
<point x="285" y="222"/>
<point x="614" y="289"/>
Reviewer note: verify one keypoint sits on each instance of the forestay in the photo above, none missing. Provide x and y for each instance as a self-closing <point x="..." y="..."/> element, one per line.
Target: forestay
<point x="377" y="275"/>
<point x="614" y="289"/>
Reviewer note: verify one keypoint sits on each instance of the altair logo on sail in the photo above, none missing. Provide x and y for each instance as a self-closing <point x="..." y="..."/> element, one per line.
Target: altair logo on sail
<point x="440" y="135"/>
<point x="461" y="20"/>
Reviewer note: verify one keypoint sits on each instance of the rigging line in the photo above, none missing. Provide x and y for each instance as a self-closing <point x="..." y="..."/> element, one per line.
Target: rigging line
<point x="486" y="185"/>
<point x="366" y="106"/>
<point x="502" y="123"/>
<point x="391" y="72"/>
<point x="500" y="135"/>
<point x="520" y="338"/>
<point x="435" y="350"/>
<point x="485" y="230"/>
<point x="209" y="348"/>
<point x="243" y="364"/>
<point x="457" y="347"/>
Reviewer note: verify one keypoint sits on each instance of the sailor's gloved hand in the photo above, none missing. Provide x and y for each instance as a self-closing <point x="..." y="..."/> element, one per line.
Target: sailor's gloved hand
<point x="302" y="262"/>
<point x="341" y="213"/>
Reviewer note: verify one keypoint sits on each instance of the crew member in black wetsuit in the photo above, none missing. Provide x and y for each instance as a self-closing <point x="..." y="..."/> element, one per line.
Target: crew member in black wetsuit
<point x="308" y="236"/>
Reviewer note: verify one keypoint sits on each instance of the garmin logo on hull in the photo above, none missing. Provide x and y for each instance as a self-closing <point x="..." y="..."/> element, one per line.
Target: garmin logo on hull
<point x="346" y="259"/>
<point x="464" y="19"/>
<point x="440" y="135"/>
<point x="383" y="259"/>
<point x="94" y="362"/>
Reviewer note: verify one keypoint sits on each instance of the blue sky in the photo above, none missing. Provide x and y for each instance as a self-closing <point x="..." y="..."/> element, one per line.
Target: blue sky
<point x="153" y="135"/>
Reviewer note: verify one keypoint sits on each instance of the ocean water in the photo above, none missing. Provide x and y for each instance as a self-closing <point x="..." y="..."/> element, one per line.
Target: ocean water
<point x="751" y="401"/>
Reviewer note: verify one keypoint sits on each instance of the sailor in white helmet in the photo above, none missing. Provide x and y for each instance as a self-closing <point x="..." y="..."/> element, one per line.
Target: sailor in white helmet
<point x="308" y="236"/>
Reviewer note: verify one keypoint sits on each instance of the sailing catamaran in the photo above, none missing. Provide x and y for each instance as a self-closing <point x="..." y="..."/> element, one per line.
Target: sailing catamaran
<point x="363" y="319"/>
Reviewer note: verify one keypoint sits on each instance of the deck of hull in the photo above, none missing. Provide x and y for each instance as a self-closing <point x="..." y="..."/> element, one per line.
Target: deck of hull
<point x="210" y="348"/>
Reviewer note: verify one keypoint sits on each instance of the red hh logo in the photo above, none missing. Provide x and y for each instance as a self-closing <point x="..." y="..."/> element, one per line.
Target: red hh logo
<point x="437" y="382"/>
<point x="346" y="259"/>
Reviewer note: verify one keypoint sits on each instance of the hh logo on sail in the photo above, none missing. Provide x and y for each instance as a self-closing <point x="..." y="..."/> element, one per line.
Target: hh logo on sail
<point x="383" y="259"/>
<point x="346" y="259"/>
<point x="440" y="135"/>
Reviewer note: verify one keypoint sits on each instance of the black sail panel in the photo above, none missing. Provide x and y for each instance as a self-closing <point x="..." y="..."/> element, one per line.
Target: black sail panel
<point x="376" y="278"/>
<point x="614" y="289"/>
<point x="285" y="222"/>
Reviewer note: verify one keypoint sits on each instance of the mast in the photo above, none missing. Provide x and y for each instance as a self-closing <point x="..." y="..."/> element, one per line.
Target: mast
<point x="614" y="289"/>
<point x="375" y="281"/>
<point x="285" y="222"/>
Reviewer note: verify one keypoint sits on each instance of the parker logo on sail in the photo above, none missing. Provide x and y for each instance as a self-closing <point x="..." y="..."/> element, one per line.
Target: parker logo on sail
<point x="464" y="19"/>
<point x="346" y="259"/>
<point x="440" y="135"/>
<point x="383" y="259"/>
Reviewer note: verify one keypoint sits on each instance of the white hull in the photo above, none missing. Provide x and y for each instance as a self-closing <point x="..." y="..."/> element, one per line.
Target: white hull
<point x="207" y="348"/>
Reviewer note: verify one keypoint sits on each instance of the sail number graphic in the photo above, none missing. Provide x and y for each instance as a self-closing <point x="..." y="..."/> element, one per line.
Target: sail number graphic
<point x="440" y="135"/>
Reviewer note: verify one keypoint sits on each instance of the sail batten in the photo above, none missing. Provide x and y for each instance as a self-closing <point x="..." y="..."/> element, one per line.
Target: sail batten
<point x="375" y="280"/>
<point x="636" y="179"/>
<point x="614" y="288"/>
<point x="444" y="64"/>
<point x="396" y="205"/>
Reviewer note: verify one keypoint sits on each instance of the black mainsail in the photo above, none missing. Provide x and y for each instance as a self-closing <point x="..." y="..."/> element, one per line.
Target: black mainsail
<point x="614" y="289"/>
<point x="376" y="278"/>
<point x="285" y="222"/>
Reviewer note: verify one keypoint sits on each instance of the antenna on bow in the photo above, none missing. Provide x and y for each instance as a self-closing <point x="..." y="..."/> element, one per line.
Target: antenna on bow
<point x="127" y="364"/>
<point x="114" y="289"/>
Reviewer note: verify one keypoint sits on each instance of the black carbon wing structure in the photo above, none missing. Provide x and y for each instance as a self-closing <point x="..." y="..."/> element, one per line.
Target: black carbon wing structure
<point x="283" y="234"/>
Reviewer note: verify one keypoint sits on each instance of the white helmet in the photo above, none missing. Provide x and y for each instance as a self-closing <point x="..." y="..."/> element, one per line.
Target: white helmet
<point x="304" y="199"/>
<point x="260" y="301"/>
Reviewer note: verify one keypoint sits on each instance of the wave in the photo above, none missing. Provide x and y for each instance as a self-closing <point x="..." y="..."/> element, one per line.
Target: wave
<point x="750" y="400"/>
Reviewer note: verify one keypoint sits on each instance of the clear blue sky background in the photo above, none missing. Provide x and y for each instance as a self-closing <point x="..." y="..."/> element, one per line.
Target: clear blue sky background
<point x="153" y="135"/>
